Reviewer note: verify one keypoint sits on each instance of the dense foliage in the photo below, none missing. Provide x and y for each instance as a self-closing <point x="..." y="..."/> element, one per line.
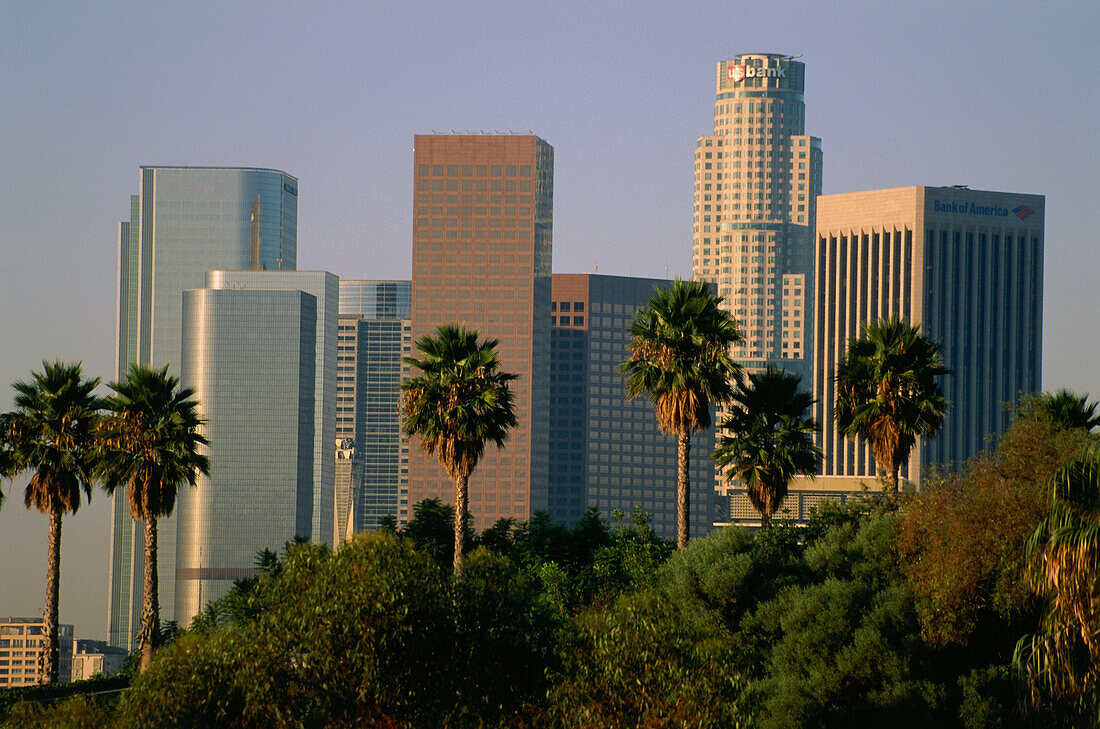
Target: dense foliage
<point x="898" y="611"/>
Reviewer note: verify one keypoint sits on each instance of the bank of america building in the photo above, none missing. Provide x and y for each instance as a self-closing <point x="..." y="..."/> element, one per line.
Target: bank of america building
<point x="967" y="266"/>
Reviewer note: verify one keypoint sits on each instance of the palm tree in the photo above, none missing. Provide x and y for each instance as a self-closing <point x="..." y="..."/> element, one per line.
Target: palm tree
<point x="51" y="432"/>
<point x="887" y="394"/>
<point x="151" y="443"/>
<point x="1067" y="409"/>
<point x="679" y="359"/>
<point x="8" y="467"/>
<point x="1062" y="660"/>
<point x="460" y="401"/>
<point x="769" y="439"/>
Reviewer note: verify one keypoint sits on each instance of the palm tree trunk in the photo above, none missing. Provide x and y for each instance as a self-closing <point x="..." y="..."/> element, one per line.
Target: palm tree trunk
<point x="462" y="496"/>
<point x="885" y="460"/>
<point x="47" y="658"/>
<point x="150" y="605"/>
<point x="893" y="477"/>
<point x="683" y="497"/>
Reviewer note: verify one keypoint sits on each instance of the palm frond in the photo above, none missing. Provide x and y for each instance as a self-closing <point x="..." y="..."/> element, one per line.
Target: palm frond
<point x="679" y="355"/>
<point x="886" y="391"/>
<point x="151" y="441"/>
<point x="460" y="401"/>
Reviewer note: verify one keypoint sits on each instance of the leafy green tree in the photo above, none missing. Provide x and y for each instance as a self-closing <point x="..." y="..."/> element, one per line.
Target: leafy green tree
<point x="843" y="647"/>
<point x="432" y="530"/>
<point x="1061" y="661"/>
<point x="680" y="360"/>
<point x="768" y="439"/>
<point x="638" y="664"/>
<point x="505" y="641"/>
<point x="77" y="712"/>
<point x="887" y="394"/>
<point x="500" y="537"/>
<point x="150" y="441"/>
<point x="376" y="634"/>
<point x="719" y="580"/>
<point x="52" y="432"/>
<point x="962" y="538"/>
<point x="458" y="402"/>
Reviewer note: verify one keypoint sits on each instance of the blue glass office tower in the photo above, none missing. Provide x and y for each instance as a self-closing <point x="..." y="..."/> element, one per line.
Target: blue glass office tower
<point x="184" y="222"/>
<point x="606" y="450"/>
<point x="372" y="458"/>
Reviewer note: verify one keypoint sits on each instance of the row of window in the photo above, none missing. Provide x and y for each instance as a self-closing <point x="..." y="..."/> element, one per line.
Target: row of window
<point x="474" y="170"/>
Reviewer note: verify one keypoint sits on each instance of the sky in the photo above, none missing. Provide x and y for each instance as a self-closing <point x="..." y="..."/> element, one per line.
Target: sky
<point x="995" y="95"/>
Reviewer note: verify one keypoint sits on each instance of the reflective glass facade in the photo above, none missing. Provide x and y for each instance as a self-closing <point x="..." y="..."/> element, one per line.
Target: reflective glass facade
<point x="184" y="222"/>
<point x="259" y="349"/>
<point x="375" y="333"/>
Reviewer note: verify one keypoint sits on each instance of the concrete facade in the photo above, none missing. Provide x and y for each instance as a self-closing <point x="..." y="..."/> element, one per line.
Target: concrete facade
<point x="967" y="266"/>
<point x="756" y="181"/>
<point x="21" y="642"/>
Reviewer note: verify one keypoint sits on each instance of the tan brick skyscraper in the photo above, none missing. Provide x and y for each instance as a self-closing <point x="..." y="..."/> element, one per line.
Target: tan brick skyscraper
<point x="757" y="178"/>
<point x="482" y="238"/>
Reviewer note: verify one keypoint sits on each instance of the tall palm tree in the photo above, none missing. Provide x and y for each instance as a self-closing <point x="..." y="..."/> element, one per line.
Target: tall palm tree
<point x="680" y="359"/>
<point x="887" y="394"/>
<point x="769" y="438"/>
<point x="150" y="442"/>
<point x="1062" y="660"/>
<point x="8" y="467"/>
<point x="460" y="401"/>
<point x="51" y="432"/>
<point x="1068" y="409"/>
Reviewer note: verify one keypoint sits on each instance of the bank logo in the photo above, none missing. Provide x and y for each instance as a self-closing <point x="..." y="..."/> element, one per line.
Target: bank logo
<point x="744" y="71"/>
<point x="1023" y="212"/>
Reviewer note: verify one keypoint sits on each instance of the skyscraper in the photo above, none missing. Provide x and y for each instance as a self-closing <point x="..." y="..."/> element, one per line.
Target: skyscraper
<point x="482" y="238"/>
<point x="756" y="180"/>
<point x="259" y="349"/>
<point x="185" y="221"/>
<point x="606" y="450"/>
<point x="375" y="333"/>
<point x="967" y="266"/>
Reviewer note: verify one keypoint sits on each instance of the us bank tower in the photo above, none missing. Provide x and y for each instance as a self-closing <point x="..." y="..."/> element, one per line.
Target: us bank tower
<point x="756" y="181"/>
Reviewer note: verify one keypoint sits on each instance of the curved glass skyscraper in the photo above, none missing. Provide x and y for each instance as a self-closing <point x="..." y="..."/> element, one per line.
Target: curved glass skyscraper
<point x="185" y="221"/>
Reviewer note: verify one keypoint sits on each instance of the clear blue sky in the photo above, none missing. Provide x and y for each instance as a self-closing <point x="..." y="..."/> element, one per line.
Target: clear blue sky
<point x="996" y="95"/>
